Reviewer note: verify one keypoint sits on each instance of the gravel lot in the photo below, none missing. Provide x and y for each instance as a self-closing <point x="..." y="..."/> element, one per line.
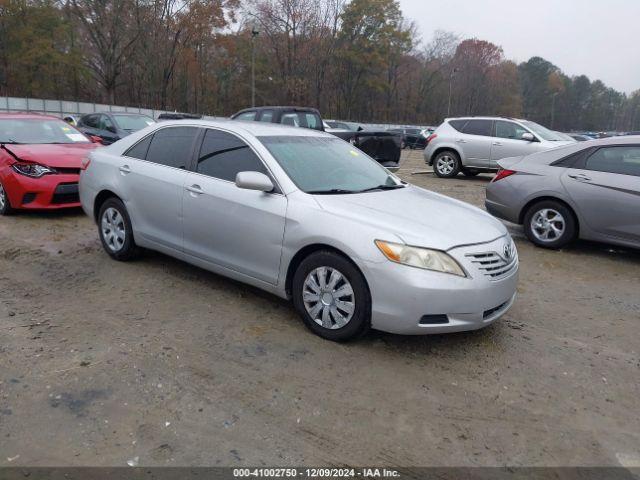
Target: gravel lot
<point x="105" y="362"/>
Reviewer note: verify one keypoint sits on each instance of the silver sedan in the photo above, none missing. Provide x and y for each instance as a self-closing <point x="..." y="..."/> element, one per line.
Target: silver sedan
<point x="305" y="216"/>
<point x="589" y="190"/>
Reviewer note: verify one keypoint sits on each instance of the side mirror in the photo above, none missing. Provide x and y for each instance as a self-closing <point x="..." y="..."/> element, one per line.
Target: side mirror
<point x="528" y="137"/>
<point x="95" y="139"/>
<point x="254" y="181"/>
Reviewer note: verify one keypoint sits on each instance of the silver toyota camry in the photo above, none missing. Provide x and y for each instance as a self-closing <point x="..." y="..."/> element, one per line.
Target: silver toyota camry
<point x="305" y="216"/>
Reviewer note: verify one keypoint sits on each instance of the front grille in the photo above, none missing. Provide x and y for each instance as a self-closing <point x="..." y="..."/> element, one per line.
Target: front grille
<point x="66" y="193"/>
<point x="61" y="198"/>
<point x="492" y="264"/>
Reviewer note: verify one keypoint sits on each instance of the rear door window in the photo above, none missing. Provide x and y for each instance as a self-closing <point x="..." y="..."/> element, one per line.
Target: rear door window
<point x="172" y="146"/>
<point x="266" y="116"/>
<point x="623" y="160"/>
<point x="139" y="150"/>
<point x="223" y="155"/>
<point x="478" y="127"/>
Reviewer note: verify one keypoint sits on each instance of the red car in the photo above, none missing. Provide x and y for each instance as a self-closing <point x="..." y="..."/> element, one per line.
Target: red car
<point x="40" y="161"/>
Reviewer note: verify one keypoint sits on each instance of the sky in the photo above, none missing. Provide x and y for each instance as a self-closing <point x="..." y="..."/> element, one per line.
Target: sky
<point x="600" y="39"/>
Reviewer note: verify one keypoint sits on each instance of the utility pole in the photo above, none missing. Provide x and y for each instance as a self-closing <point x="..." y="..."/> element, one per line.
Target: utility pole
<point x="450" y="88"/>
<point x="254" y="34"/>
<point x="553" y="108"/>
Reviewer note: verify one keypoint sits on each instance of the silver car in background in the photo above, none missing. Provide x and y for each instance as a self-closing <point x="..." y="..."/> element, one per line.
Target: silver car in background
<point x="589" y="190"/>
<point x="472" y="145"/>
<point x="306" y="216"/>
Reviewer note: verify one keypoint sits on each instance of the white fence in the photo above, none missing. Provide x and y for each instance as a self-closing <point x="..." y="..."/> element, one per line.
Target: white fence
<point x="62" y="108"/>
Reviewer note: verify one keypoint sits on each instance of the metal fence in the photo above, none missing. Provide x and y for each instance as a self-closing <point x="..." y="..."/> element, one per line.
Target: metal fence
<point x="63" y="108"/>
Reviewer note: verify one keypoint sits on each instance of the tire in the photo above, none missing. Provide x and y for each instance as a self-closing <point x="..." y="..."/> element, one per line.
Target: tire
<point x="390" y="164"/>
<point x="113" y="217"/>
<point x="309" y="273"/>
<point x="446" y="164"/>
<point x="5" y="203"/>
<point x="403" y="145"/>
<point x="470" y="172"/>
<point x="552" y="219"/>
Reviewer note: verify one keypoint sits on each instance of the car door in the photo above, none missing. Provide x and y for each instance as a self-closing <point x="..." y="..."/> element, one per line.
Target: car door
<point x="605" y="187"/>
<point x="153" y="174"/>
<point x="107" y="129"/>
<point x="474" y="142"/>
<point x="508" y="142"/>
<point x="238" y="229"/>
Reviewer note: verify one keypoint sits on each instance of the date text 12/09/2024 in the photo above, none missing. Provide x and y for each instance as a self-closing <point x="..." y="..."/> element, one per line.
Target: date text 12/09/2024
<point x="313" y="473"/>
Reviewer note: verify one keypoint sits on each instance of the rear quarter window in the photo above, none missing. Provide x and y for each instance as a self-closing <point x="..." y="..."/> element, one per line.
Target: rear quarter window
<point x="458" y="124"/>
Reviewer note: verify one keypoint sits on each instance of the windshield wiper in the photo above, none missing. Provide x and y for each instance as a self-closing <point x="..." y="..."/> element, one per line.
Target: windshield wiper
<point x="331" y="191"/>
<point x="381" y="187"/>
<point x="10" y="141"/>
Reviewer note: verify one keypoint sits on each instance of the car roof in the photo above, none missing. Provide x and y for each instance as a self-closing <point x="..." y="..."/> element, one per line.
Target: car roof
<point x="28" y="116"/>
<point x="486" y="118"/>
<point x="286" y="108"/>
<point x="257" y="129"/>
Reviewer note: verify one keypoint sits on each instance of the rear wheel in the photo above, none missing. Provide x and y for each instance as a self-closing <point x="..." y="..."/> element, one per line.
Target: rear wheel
<point x="332" y="297"/>
<point x="446" y="164"/>
<point x="550" y="224"/>
<point x="116" y="233"/>
<point x="5" y="204"/>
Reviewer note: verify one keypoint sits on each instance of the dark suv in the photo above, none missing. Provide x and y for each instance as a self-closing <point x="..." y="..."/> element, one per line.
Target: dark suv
<point x="384" y="147"/>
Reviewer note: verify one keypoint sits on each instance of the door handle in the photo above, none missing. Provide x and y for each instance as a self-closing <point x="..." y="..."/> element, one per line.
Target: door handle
<point x="497" y="144"/>
<point x="124" y="169"/>
<point x="581" y="177"/>
<point x="195" y="189"/>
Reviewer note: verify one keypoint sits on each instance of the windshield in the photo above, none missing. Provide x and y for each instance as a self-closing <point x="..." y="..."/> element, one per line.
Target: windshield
<point x="38" y="131"/>
<point x="542" y="132"/>
<point x="328" y="165"/>
<point x="133" y="122"/>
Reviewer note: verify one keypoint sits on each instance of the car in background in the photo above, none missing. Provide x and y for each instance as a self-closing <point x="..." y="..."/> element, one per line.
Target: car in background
<point x="384" y="147"/>
<point x="587" y="190"/>
<point x="412" y="138"/>
<point x="40" y="162"/>
<point x="308" y="217"/>
<point x="112" y="126"/>
<point x="178" y="116"/>
<point x="475" y="144"/>
<point x="335" y="124"/>
<point x="580" y="138"/>
<point x="71" y="120"/>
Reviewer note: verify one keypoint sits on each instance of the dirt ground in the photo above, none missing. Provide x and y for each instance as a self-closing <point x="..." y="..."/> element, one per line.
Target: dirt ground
<point x="160" y="363"/>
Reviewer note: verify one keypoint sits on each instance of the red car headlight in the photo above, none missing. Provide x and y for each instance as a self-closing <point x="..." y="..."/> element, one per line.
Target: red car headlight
<point x="32" y="170"/>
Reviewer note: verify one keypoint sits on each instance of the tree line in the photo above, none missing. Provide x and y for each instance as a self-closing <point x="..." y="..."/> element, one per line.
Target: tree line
<point x="358" y="60"/>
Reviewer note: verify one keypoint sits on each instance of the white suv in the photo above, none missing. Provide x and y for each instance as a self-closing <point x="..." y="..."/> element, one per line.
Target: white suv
<point x="475" y="144"/>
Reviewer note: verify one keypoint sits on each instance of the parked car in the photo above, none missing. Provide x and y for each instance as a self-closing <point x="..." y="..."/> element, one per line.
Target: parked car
<point x="384" y="147"/>
<point x="339" y="125"/>
<point x="475" y="144"/>
<point x="111" y="127"/>
<point x="588" y="190"/>
<point x="71" y="120"/>
<point x="178" y="116"/>
<point x="306" y="216"/>
<point x="412" y="137"/>
<point x="40" y="162"/>
<point x="580" y="138"/>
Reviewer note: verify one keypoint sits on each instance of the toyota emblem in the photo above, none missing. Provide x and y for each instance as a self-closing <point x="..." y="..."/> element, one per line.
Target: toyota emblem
<point x="508" y="251"/>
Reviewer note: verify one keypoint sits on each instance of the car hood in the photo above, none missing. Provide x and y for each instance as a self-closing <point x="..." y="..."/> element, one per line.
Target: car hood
<point x="53" y="155"/>
<point x="419" y="217"/>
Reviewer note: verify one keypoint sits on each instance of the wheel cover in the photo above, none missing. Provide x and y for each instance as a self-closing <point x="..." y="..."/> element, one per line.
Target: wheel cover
<point x="3" y="197"/>
<point x="328" y="298"/>
<point x="446" y="164"/>
<point x="548" y="225"/>
<point x="113" y="229"/>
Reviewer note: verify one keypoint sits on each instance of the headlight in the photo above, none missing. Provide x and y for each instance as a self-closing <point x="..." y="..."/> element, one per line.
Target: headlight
<point x="32" y="169"/>
<point x="420" y="257"/>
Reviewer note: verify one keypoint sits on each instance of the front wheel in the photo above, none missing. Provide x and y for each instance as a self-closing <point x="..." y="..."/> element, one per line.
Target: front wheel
<point x="116" y="233"/>
<point x="550" y="224"/>
<point x="5" y="204"/>
<point x="446" y="164"/>
<point x="332" y="297"/>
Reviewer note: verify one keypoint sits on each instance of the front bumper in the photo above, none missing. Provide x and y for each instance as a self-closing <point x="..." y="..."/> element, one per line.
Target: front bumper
<point x="404" y="298"/>
<point x="49" y="192"/>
